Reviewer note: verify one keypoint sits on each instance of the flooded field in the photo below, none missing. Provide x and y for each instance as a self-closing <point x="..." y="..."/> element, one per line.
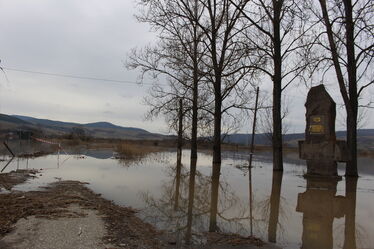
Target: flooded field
<point x="285" y="209"/>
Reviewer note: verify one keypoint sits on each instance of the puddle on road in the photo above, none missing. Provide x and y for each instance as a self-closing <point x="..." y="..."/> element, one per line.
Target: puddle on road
<point x="286" y="209"/>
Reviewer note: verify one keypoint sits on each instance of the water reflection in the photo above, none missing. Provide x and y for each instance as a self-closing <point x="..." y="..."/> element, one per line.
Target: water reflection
<point x="350" y="214"/>
<point x="320" y="206"/>
<point x="274" y="205"/>
<point x="187" y="221"/>
<point x="250" y="196"/>
<point x="265" y="212"/>
<point x="214" y="196"/>
<point x="191" y="194"/>
<point x="178" y="178"/>
<point x="274" y="197"/>
<point x="179" y="222"/>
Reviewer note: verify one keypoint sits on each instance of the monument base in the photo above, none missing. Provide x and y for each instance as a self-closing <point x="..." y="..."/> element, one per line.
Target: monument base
<point x="328" y="150"/>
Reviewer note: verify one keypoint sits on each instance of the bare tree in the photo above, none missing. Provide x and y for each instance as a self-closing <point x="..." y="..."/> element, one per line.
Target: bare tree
<point x="206" y="35"/>
<point x="348" y="37"/>
<point x="177" y="21"/>
<point x="266" y="117"/>
<point x="276" y="31"/>
<point x="176" y="56"/>
<point x="226" y="73"/>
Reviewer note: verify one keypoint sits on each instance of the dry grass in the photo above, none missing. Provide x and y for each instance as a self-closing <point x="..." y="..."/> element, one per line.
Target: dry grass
<point x="132" y="150"/>
<point x="366" y="153"/>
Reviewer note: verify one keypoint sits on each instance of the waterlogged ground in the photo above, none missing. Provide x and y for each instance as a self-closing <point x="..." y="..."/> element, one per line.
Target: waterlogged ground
<point x="286" y="208"/>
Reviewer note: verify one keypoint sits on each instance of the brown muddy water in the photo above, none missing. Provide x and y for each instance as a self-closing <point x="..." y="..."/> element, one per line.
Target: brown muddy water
<point x="286" y="209"/>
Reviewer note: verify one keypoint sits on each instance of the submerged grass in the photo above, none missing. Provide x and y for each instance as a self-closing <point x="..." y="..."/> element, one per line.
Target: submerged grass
<point x="132" y="150"/>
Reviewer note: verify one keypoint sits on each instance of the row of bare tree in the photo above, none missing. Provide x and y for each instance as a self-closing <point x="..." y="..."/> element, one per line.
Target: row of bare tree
<point x="211" y="54"/>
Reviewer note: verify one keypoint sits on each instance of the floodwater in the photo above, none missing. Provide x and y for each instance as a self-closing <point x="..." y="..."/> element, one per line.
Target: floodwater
<point x="284" y="209"/>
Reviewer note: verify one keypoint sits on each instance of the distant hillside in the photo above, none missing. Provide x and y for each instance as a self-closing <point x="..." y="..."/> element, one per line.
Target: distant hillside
<point x="101" y="125"/>
<point x="12" y="119"/>
<point x="108" y="130"/>
<point x="52" y="127"/>
<point x="365" y="138"/>
<point x="107" y="125"/>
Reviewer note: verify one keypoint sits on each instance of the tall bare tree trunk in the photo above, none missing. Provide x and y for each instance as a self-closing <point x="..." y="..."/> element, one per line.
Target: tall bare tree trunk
<point x="216" y="157"/>
<point x="351" y="169"/>
<point x="193" y="158"/>
<point x="277" y="91"/>
<point x="179" y="154"/>
<point x="350" y="97"/>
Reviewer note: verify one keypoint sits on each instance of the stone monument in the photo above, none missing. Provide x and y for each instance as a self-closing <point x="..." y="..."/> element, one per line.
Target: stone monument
<point x="320" y="149"/>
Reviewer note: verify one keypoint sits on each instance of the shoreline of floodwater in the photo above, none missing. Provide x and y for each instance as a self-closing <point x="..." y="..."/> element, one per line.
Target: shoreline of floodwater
<point x="123" y="228"/>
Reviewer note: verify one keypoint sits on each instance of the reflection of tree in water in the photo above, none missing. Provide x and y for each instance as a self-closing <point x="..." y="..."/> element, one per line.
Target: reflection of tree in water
<point x="161" y="210"/>
<point x="272" y="210"/>
<point x="360" y="236"/>
<point x="355" y="235"/>
<point x="233" y="213"/>
<point x="269" y="211"/>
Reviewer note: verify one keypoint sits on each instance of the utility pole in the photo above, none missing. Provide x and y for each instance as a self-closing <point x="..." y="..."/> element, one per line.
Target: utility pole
<point x="253" y="129"/>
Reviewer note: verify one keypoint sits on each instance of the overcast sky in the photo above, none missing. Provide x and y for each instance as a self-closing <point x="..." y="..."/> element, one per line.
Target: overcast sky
<point x="86" y="38"/>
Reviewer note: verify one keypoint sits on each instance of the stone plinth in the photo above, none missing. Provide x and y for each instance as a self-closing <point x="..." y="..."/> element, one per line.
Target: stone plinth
<point x="336" y="151"/>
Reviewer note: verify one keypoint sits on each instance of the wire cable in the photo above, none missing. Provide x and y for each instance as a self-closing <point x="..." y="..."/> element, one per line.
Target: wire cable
<point x="76" y="76"/>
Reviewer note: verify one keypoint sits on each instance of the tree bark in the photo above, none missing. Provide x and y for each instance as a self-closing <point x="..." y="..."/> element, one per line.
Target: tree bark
<point x="277" y="91"/>
<point x="350" y="97"/>
<point x="179" y="154"/>
<point x="193" y="158"/>
<point x="351" y="168"/>
<point x="216" y="157"/>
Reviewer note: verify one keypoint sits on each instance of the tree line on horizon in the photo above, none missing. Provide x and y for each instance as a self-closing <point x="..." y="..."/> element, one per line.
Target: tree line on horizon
<point x="211" y="55"/>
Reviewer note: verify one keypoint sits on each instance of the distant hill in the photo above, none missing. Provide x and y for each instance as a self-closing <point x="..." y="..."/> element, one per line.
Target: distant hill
<point x="365" y="138"/>
<point x="107" y="125"/>
<point x="108" y="130"/>
<point x="101" y="125"/>
<point x="52" y="127"/>
<point x="12" y="119"/>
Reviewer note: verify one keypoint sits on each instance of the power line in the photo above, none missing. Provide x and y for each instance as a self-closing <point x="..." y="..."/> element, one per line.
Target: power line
<point x="76" y="76"/>
<point x="93" y="78"/>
